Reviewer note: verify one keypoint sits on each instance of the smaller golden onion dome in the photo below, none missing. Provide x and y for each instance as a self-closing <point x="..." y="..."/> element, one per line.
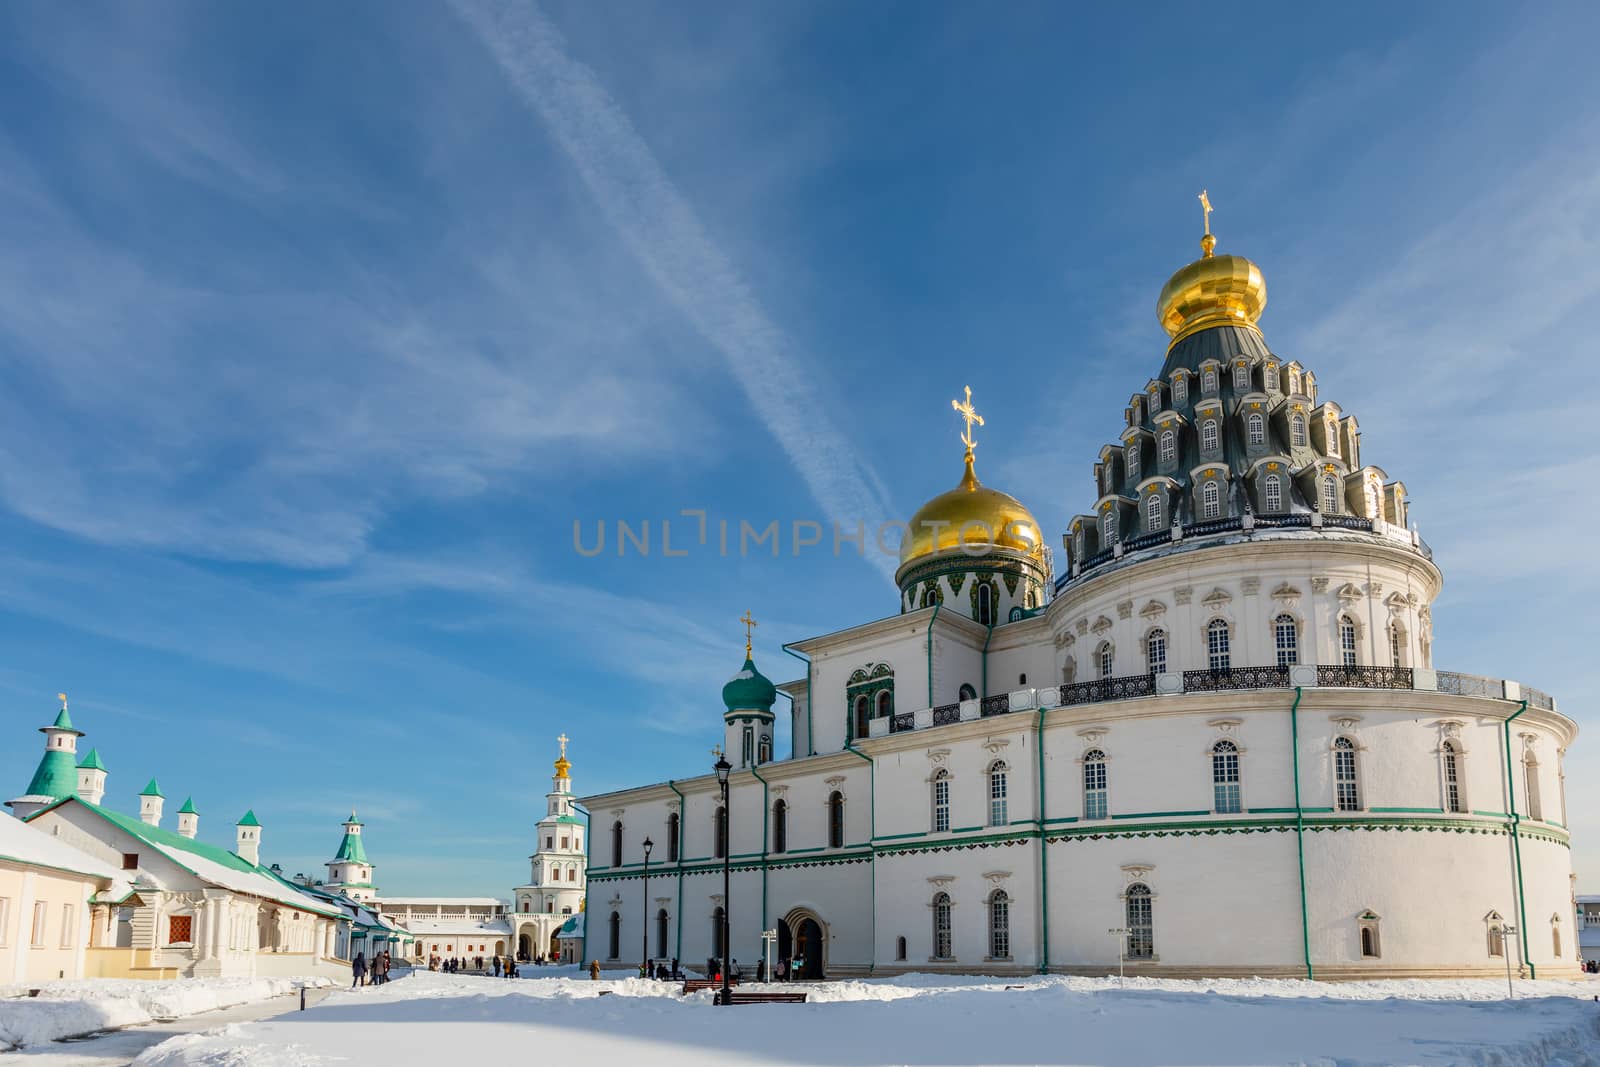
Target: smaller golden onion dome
<point x="971" y="514"/>
<point x="1212" y="291"/>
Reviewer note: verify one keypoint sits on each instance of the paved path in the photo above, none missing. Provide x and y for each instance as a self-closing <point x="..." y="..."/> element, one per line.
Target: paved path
<point x="120" y="1047"/>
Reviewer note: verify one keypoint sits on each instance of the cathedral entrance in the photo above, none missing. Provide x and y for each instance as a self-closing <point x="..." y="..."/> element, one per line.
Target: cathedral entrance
<point x="802" y="939"/>
<point x="525" y="947"/>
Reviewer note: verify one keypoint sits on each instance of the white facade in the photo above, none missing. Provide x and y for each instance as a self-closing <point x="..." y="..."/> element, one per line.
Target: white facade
<point x="558" y="872"/>
<point x="1221" y="747"/>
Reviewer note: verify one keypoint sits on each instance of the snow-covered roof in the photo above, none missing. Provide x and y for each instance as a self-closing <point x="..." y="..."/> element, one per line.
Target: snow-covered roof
<point x="456" y="927"/>
<point x="1588" y="898"/>
<point x="31" y="845"/>
<point x="471" y="902"/>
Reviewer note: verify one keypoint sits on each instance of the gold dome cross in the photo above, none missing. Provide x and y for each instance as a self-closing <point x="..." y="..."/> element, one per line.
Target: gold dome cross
<point x="750" y="625"/>
<point x="969" y="415"/>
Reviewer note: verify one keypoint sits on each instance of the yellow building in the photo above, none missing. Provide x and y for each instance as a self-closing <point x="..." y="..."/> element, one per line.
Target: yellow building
<point x="46" y="887"/>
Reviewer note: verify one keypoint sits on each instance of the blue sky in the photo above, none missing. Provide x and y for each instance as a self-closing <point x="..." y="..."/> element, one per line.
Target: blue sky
<point x="320" y="326"/>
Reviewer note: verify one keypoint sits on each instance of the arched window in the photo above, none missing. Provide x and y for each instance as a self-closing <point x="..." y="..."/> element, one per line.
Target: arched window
<point x="885" y="703"/>
<point x="1218" y="655"/>
<point x="1152" y="512"/>
<point x="1225" y="777"/>
<point x="1330" y="495"/>
<point x="1530" y="782"/>
<point x="1346" y="786"/>
<point x="1333" y="437"/>
<point x="1208" y="435"/>
<point x="1369" y="941"/>
<point x="1396" y="645"/>
<point x="672" y="837"/>
<point x="616" y="843"/>
<point x="615" y="925"/>
<point x="941" y="926"/>
<point x="1180" y="390"/>
<point x="1208" y="380"/>
<point x="900" y="948"/>
<point x="549" y="907"/>
<point x="661" y="933"/>
<point x="780" y="826"/>
<point x="999" y="925"/>
<point x="1347" y="641"/>
<point x="1555" y="938"/>
<point x="1294" y="383"/>
<point x="1094" y="784"/>
<point x="1374" y="510"/>
<point x="1155" y="652"/>
<point x="1286" y="639"/>
<point x="1169" y="447"/>
<point x="997" y="793"/>
<point x="941" y="801"/>
<point x="720" y="833"/>
<point x="717" y="926"/>
<point x="1131" y="461"/>
<point x="1272" y="492"/>
<point x="1077" y="544"/>
<point x="1452" y="777"/>
<point x="863" y="713"/>
<point x="985" y="604"/>
<point x="1241" y="375"/>
<point x="764" y="750"/>
<point x="1297" y="430"/>
<point x="1497" y="935"/>
<point x="836" y="819"/>
<point x="1107" y="658"/>
<point x="1140" y="922"/>
<point x="966" y="692"/>
<point x="1256" y="428"/>
<point x="1210" y="500"/>
<point x="1108" y="527"/>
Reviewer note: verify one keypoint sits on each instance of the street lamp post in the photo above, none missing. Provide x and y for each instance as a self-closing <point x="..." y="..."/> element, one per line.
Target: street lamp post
<point x="1507" y="933"/>
<point x="644" y="967"/>
<point x="722" y="768"/>
<point x="1120" y="933"/>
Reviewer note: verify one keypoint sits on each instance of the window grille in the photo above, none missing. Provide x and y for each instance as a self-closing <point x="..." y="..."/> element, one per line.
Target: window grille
<point x="941" y="926"/>
<point x="1347" y="641"/>
<point x="1394" y="646"/>
<point x="1140" y="923"/>
<point x="1208" y="381"/>
<point x="1347" y="791"/>
<point x="1132" y="462"/>
<point x="1155" y="652"/>
<point x="1109" y="527"/>
<point x="1452" y="778"/>
<point x="1273" y="486"/>
<point x="1225" y="777"/>
<point x="1210" y="500"/>
<point x="179" y="929"/>
<point x="1208" y="435"/>
<point x="999" y="925"/>
<point x="1152" y="512"/>
<point x="1219" y="658"/>
<point x="1094" y="784"/>
<point x="1169" y="447"/>
<point x="997" y="794"/>
<point x="1107" y="659"/>
<point x="941" y="802"/>
<point x="1241" y="376"/>
<point x="1180" y="390"/>
<point x="1297" y="430"/>
<point x="1330" y="495"/>
<point x="1286" y="639"/>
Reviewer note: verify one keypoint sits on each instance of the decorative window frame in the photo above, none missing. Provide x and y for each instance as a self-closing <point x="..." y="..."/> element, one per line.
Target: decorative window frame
<point x="1345" y="728"/>
<point x="1367" y="919"/>
<point x="1494" y="937"/>
<point x="999" y="766"/>
<point x="1136" y="874"/>
<point x="1284" y="612"/>
<point x="1092" y="744"/>
<point x="1166" y="649"/>
<point x="947" y="776"/>
<point x="1226" y="621"/>
<point x="1224" y="730"/>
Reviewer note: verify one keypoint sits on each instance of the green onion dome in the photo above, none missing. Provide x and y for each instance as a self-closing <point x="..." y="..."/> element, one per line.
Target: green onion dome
<point x="749" y="690"/>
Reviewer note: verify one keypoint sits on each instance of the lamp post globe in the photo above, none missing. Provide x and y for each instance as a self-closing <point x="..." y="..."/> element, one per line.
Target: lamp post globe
<point x="723" y="769"/>
<point x="644" y="938"/>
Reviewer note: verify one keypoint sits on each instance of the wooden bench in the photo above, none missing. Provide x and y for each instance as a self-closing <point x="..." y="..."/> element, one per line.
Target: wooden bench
<point x="763" y="998"/>
<point x="694" y="985"/>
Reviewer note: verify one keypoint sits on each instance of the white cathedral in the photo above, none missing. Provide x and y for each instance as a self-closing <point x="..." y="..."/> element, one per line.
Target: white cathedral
<point x="1216" y="744"/>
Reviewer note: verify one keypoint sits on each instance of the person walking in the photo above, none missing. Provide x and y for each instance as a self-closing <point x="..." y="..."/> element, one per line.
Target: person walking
<point x="594" y="970"/>
<point x="358" y="970"/>
<point x="497" y="966"/>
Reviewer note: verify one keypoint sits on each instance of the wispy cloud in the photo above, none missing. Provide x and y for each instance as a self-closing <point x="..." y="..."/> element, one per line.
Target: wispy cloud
<point x="663" y="230"/>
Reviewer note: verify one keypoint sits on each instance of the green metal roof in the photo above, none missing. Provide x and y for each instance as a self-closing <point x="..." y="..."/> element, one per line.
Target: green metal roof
<point x="152" y="790"/>
<point x="249" y="819"/>
<point x="91" y="762"/>
<point x="57" y="776"/>
<point x="188" y="808"/>
<point x="63" y="722"/>
<point x="569" y="818"/>
<point x="351" y="850"/>
<point x="352" y="820"/>
<point x="749" y="689"/>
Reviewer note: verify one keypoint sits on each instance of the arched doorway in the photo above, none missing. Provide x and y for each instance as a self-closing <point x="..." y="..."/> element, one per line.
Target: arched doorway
<point x="525" y="947"/>
<point x="555" y="945"/>
<point x="803" y="936"/>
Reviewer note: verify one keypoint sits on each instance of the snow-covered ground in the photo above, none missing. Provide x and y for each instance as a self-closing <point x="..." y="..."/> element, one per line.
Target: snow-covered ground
<point x="85" y="1006"/>
<point x="922" y="1019"/>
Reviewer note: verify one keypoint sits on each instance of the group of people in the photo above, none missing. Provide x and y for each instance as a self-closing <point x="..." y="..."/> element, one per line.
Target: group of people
<point x="502" y="966"/>
<point x="377" y="971"/>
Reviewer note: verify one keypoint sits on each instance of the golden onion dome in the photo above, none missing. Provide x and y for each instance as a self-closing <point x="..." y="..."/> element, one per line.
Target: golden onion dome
<point x="971" y="514"/>
<point x="1212" y="291"/>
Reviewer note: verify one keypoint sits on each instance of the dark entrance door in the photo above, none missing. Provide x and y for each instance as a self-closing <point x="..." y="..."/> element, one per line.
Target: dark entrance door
<point x="525" y="947"/>
<point x="785" y="944"/>
<point x="808" y="947"/>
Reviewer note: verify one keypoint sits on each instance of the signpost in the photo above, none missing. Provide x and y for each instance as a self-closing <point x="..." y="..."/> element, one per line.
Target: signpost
<point x="767" y="939"/>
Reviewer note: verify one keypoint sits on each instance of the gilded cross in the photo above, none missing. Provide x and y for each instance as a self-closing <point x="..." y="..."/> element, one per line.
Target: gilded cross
<point x="563" y="739"/>
<point x="716" y="750"/>
<point x="1205" y="207"/>
<point x="750" y="625"/>
<point x="63" y="698"/>
<point x="969" y="415"/>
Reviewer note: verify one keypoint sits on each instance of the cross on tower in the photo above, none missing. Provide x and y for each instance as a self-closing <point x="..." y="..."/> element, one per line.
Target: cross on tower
<point x="750" y="625"/>
<point x="1205" y="208"/>
<point x="563" y="739"/>
<point x="969" y="415"/>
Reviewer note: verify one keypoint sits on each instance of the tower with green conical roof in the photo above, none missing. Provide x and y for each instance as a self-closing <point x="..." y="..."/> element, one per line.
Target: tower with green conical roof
<point x="57" y="775"/>
<point x="151" y="801"/>
<point x="247" y="835"/>
<point x="747" y="721"/>
<point x="92" y="777"/>
<point x="350" y="871"/>
<point x="188" y="819"/>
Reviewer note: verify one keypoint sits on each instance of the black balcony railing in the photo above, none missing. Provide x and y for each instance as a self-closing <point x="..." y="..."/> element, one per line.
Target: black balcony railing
<point x="998" y="705"/>
<point x="945" y="714"/>
<point x="1278" y="521"/>
<point x="906" y="720"/>
<point x="1363" y="677"/>
<point x="1213" y="526"/>
<point x="1347" y="522"/>
<point x="1103" y="689"/>
<point x="1228" y="678"/>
